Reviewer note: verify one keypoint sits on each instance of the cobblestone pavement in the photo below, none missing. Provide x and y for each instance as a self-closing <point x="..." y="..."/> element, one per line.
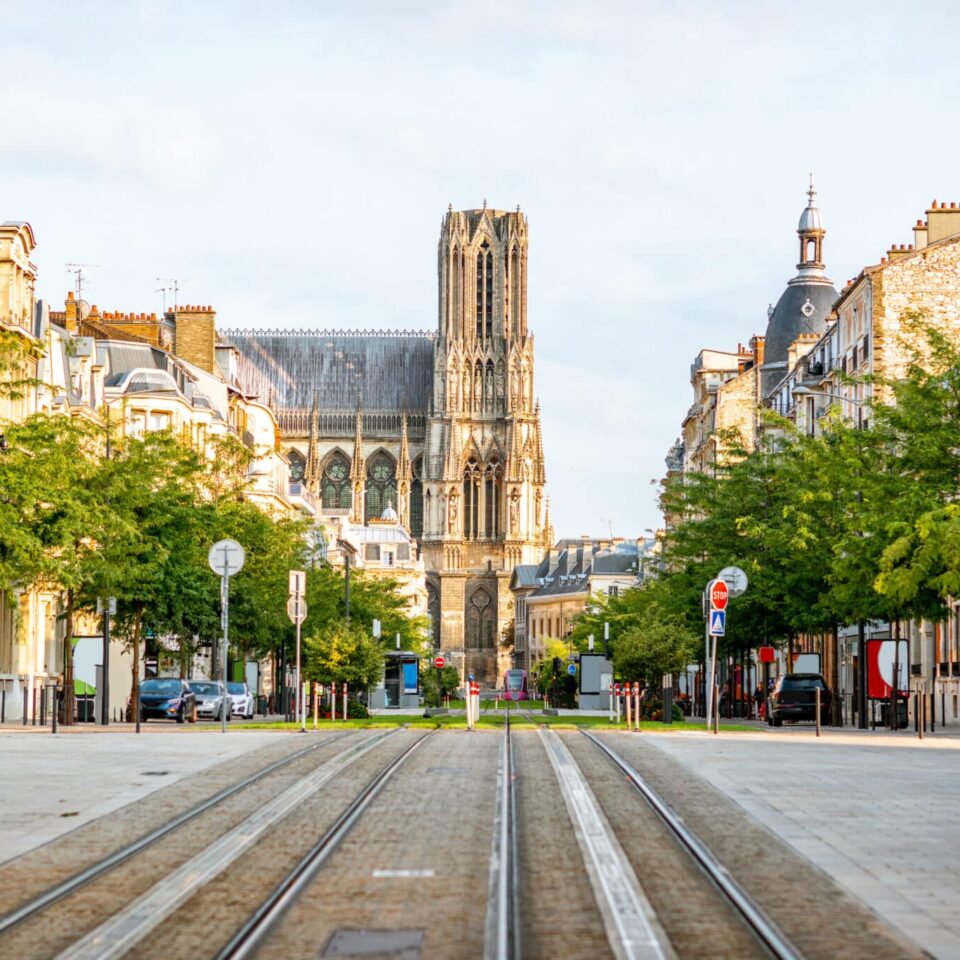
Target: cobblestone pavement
<point x="50" y="785"/>
<point x="416" y="865"/>
<point x="879" y="816"/>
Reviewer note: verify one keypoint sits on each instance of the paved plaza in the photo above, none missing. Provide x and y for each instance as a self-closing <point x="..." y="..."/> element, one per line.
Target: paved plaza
<point x="50" y="785"/>
<point x="876" y="812"/>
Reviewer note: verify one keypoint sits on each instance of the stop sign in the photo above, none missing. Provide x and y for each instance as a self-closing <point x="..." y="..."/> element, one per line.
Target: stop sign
<point x="719" y="594"/>
<point x="439" y="662"/>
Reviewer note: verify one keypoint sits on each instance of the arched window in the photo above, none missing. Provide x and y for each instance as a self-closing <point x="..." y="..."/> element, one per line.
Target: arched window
<point x="298" y="465"/>
<point x="488" y="294"/>
<point x="484" y="312"/>
<point x="481" y="616"/>
<point x="335" y="484"/>
<point x="381" y="485"/>
<point x="455" y="268"/>
<point x="493" y="496"/>
<point x="471" y="500"/>
<point x="416" y="500"/>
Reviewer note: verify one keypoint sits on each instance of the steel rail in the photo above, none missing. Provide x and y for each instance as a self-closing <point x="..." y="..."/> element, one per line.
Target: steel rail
<point x="89" y="874"/>
<point x="246" y="941"/>
<point x="763" y="928"/>
<point x="502" y="934"/>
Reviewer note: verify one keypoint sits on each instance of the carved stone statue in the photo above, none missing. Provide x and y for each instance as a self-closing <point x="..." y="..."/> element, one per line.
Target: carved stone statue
<point x="477" y="392"/>
<point x="499" y="383"/>
<point x="514" y="511"/>
<point x="515" y="388"/>
<point x="452" y="512"/>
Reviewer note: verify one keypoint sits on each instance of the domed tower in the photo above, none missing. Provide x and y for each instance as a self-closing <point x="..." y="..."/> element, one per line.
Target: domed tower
<point x="804" y="306"/>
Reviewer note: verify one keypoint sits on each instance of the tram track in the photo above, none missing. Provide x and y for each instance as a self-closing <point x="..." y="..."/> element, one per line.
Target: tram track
<point x="86" y="876"/>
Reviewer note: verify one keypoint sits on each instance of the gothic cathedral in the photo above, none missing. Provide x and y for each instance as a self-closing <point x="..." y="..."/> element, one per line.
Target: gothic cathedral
<point x="442" y="427"/>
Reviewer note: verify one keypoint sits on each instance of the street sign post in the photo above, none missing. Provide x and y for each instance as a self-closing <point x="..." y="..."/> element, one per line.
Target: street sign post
<point x="295" y="616"/>
<point x="297" y="612"/>
<point x="439" y="662"/>
<point x="735" y="579"/>
<point x="572" y="669"/>
<point x="226" y="558"/>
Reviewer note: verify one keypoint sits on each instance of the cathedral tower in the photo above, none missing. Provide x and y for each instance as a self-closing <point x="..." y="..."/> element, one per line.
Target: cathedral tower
<point x="483" y="470"/>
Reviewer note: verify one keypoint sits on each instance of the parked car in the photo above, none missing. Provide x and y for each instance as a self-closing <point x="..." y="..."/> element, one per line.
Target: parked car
<point x="212" y="699"/>
<point x="242" y="700"/>
<point x="166" y="698"/>
<point x="794" y="697"/>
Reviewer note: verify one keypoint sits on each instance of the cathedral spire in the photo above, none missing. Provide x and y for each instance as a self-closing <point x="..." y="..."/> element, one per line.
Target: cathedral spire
<point x="540" y="469"/>
<point x="311" y="473"/>
<point x="357" y="466"/>
<point x="404" y="472"/>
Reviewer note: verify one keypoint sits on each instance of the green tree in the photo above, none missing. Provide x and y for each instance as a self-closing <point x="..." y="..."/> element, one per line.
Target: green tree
<point x="343" y="651"/>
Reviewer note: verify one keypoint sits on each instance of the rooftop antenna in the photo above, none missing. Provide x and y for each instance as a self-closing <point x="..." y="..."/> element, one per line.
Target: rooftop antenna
<point x="609" y="522"/>
<point x="77" y="270"/>
<point x="174" y="286"/>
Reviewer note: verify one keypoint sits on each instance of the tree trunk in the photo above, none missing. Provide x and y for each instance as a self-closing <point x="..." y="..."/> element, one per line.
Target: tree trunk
<point x="836" y="715"/>
<point x="135" y="687"/>
<point x="69" y="698"/>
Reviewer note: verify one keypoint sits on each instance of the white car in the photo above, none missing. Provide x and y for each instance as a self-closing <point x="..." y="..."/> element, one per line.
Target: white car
<point x="242" y="701"/>
<point x="210" y="698"/>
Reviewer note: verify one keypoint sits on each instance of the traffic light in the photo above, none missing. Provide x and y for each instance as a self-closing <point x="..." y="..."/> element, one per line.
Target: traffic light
<point x="557" y="666"/>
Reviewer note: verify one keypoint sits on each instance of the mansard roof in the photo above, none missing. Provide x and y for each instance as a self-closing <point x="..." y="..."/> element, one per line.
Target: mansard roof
<point x="289" y="368"/>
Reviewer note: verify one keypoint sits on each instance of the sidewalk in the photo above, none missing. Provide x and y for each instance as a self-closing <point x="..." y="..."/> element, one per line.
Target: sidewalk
<point x="874" y="810"/>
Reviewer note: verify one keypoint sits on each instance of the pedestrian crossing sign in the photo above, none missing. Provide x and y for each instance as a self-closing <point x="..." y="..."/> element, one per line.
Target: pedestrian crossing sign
<point x="718" y="623"/>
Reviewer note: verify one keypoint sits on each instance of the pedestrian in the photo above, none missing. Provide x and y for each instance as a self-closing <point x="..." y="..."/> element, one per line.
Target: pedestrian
<point x="761" y="705"/>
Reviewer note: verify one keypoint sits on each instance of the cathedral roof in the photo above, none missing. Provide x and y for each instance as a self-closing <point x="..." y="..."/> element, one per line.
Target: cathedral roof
<point x="290" y="368"/>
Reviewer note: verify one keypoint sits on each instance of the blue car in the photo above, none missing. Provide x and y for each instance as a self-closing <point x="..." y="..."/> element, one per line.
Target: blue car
<point x="166" y="698"/>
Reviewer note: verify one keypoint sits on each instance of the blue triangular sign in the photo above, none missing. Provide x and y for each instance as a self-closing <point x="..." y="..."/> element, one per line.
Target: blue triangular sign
<point x="718" y="623"/>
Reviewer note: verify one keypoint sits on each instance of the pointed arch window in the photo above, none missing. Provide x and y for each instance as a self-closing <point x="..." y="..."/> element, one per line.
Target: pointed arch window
<point x="416" y="500"/>
<point x="481" y="615"/>
<point x="493" y="501"/>
<point x="381" y="485"/>
<point x="484" y="314"/>
<point x="471" y="500"/>
<point x="456" y="268"/>
<point x="335" y="484"/>
<point x="298" y="466"/>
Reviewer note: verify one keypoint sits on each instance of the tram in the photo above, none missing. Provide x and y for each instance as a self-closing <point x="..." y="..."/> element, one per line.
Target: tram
<point x="515" y="685"/>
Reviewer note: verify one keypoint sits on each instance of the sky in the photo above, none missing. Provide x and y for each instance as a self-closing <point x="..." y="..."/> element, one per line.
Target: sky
<point x="291" y="163"/>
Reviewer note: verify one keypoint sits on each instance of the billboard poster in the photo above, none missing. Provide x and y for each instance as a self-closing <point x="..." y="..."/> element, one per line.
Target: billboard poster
<point x="880" y="663"/>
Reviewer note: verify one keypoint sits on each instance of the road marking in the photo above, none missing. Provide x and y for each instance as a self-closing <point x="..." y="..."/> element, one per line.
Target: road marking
<point x="630" y="921"/>
<point x="403" y="874"/>
<point x="125" y="929"/>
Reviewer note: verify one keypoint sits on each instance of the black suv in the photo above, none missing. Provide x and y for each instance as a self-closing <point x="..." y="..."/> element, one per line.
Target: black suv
<point x="794" y="697"/>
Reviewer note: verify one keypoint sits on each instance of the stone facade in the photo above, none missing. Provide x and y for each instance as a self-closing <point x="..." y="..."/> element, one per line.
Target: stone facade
<point x="443" y="428"/>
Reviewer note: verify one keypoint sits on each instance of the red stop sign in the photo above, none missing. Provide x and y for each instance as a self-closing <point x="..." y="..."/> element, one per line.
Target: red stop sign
<point x="719" y="594"/>
<point x="439" y="662"/>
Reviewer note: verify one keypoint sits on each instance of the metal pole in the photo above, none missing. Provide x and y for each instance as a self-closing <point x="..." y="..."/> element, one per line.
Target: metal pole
<point x="225" y="606"/>
<point x="54" y="708"/>
<point x="346" y="586"/>
<point x="818" y="711"/>
<point x="861" y="676"/>
<point x="708" y="660"/>
<point x="301" y="712"/>
<point x="105" y="679"/>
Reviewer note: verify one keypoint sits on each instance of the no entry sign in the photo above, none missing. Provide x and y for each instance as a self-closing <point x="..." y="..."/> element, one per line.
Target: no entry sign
<point x="439" y="662"/>
<point x="719" y="594"/>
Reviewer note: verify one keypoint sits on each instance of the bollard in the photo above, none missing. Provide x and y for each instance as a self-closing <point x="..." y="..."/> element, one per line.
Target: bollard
<point x="333" y="700"/>
<point x="636" y="706"/>
<point x="667" y="698"/>
<point x="609" y="704"/>
<point x="616" y="692"/>
<point x="626" y="700"/>
<point x="715" y="696"/>
<point x="345" y="711"/>
<point x="316" y="704"/>
<point x="921" y="711"/>
<point x="54" y="708"/>
<point x="818" y="711"/>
